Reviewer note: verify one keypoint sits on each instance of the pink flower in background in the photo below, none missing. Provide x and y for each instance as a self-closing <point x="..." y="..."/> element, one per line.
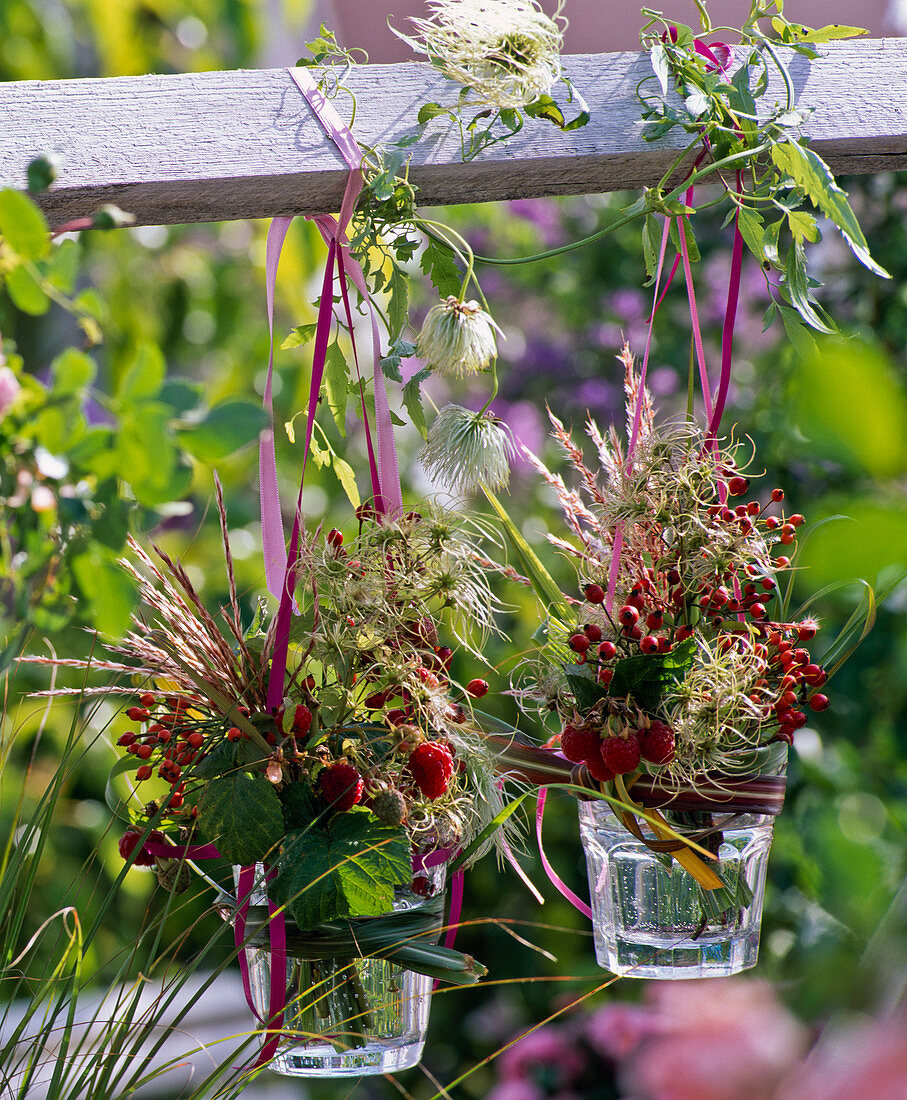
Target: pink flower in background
<point x="548" y="1048"/>
<point x="866" y="1060"/>
<point x="9" y="389"/>
<point x="616" y="1030"/>
<point x="717" y="1039"/>
<point x="516" y="1090"/>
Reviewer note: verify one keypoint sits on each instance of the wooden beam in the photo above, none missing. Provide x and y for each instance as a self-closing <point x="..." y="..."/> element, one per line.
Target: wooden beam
<point x="244" y="144"/>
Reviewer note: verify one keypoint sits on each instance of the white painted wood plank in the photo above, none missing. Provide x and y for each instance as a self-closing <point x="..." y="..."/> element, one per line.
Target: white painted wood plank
<point x="240" y="144"/>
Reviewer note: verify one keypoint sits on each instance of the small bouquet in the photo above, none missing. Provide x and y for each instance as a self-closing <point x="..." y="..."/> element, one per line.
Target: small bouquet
<point x="339" y="809"/>
<point x="678" y="681"/>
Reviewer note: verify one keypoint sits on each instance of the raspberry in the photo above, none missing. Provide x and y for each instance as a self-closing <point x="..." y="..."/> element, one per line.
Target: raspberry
<point x="302" y="720"/>
<point x="621" y="754"/>
<point x="130" y="839"/>
<point x="656" y="744"/>
<point x="431" y="766"/>
<point x="598" y="769"/>
<point x="389" y="807"/>
<point x="579" y="742"/>
<point x="341" y="786"/>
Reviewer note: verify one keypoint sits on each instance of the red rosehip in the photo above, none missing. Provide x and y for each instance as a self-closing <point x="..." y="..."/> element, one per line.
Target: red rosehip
<point x="127" y="845"/>
<point x="234" y="733"/>
<point x="607" y="650"/>
<point x="579" y="643"/>
<point x="147" y="699"/>
<point x="628" y="615"/>
<point x="777" y="495"/>
<point x="335" y="538"/>
<point x="477" y="688"/>
<point x="126" y="739"/>
<point x="796" y="520"/>
<point x="648" y="644"/>
<point x="143" y="772"/>
<point x="593" y="632"/>
<point x="138" y="714"/>
<point x="594" y="593"/>
<point x="737" y="486"/>
<point x="818" y="701"/>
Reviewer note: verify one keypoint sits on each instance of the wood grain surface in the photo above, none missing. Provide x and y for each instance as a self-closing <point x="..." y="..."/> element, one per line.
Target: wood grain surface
<point x="244" y="144"/>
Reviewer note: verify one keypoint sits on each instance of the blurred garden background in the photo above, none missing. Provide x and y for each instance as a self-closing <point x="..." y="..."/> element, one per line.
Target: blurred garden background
<point x="153" y="378"/>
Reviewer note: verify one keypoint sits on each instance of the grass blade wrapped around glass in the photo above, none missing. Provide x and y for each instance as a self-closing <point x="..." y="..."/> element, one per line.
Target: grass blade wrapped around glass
<point x="352" y="795"/>
<point x="679" y="678"/>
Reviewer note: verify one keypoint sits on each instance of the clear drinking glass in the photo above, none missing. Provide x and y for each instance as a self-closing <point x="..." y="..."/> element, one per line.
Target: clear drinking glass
<point x="649" y="920"/>
<point x="346" y="1016"/>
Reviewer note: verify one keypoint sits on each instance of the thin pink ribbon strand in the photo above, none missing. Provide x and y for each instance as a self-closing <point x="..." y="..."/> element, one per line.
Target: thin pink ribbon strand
<point x="554" y="877"/>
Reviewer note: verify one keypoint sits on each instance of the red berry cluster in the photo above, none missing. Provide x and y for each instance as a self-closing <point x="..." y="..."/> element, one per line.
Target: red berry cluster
<point x="606" y="753"/>
<point x="173" y="738"/>
<point x="662" y="610"/>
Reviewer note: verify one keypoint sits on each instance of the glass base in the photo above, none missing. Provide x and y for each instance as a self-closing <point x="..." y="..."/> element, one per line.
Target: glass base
<point x="346" y="1015"/>
<point x="649" y="917"/>
<point x="322" y="1060"/>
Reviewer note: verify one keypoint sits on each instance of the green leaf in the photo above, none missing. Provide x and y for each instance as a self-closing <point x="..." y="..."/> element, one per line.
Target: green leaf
<point x="797" y="285"/>
<point x="23" y="226"/>
<point x="770" y="239"/>
<point x="546" y="107"/>
<point x="651" y="245"/>
<point x="241" y="814"/>
<point x="343" y="471"/>
<point x="72" y="371"/>
<point x="349" y="869"/>
<point x="223" y="430"/>
<point x="107" y="594"/>
<point x="660" y="66"/>
<point x="25" y="292"/>
<point x="298" y="337"/>
<point x="412" y="399"/>
<point x="798" y="334"/>
<point x="751" y="229"/>
<point x="646" y="678"/>
<point x="437" y="262"/>
<point x="336" y="384"/>
<point x="90" y="302"/>
<point x="398" y="303"/>
<point x="812" y="175"/>
<point x="144" y="376"/>
<point x="428" y="111"/>
<point x="692" y="247"/>
<point x="834" y="31"/>
<point x="396" y="353"/>
<point x="803" y="226"/>
<point x="63" y="266"/>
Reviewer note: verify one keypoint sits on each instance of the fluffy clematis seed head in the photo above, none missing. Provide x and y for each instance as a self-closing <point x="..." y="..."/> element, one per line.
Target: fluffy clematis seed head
<point x="457" y="338"/>
<point x="466" y="449"/>
<point x="506" y="51"/>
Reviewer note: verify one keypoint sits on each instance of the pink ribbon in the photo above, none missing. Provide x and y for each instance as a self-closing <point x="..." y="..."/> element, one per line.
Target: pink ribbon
<point x="554" y="877"/>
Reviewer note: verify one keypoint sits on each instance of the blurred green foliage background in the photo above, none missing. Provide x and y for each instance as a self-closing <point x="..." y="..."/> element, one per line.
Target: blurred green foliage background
<point x="183" y="332"/>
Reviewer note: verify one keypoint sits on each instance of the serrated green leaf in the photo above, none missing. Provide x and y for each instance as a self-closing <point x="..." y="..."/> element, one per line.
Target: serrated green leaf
<point x="812" y="175"/>
<point x="241" y="814"/>
<point x="349" y="869"/>
<point x="23" y="226"/>
<point x="336" y="384"/>
<point x="398" y="303"/>
<point x="646" y="677"/>
<point x="298" y="336"/>
<point x="797" y="287"/>
<point x="803" y="226"/>
<point x="412" y="399"/>
<point x="25" y="292"/>
<point x="749" y="222"/>
<point x="396" y="353"/>
<point x="437" y="262"/>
